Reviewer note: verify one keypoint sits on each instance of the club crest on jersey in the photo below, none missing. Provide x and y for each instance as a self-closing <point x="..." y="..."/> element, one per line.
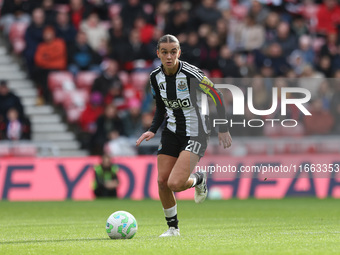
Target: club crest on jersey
<point x="182" y="86"/>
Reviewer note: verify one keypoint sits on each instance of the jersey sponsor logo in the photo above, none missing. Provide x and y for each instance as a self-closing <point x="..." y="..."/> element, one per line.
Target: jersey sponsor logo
<point x="177" y="103"/>
<point x="182" y="86"/>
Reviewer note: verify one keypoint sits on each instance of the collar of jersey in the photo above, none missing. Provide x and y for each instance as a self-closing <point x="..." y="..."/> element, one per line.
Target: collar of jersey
<point x="179" y="69"/>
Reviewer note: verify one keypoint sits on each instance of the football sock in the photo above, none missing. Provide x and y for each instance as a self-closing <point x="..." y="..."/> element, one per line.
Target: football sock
<point x="197" y="178"/>
<point x="171" y="216"/>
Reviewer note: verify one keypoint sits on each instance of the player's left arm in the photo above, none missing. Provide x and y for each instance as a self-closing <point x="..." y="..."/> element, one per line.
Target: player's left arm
<point x="208" y="88"/>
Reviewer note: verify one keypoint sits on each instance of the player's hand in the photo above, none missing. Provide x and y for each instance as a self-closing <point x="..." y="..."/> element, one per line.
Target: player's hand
<point x="147" y="135"/>
<point x="225" y="139"/>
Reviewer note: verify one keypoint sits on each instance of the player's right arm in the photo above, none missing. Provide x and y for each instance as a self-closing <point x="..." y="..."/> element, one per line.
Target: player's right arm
<point x="157" y="119"/>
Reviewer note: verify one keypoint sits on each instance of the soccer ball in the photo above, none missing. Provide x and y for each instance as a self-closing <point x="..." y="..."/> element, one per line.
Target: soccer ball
<point x="121" y="225"/>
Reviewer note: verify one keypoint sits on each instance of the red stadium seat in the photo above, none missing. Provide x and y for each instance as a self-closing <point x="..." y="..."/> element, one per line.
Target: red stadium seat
<point x="75" y="99"/>
<point x="18" y="46"/>
<point x="57" y="79"/>
<point x="124" y="77"/>
<point x="139" y="80"/>
<point x="85" y="79"/>
<point x="58" y="96"/>
<point x="73" y="114"/>
<point x="17" y="31"/>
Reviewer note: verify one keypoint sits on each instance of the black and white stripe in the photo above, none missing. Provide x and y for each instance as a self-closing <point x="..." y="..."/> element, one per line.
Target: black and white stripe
<point x="171" y="93"/>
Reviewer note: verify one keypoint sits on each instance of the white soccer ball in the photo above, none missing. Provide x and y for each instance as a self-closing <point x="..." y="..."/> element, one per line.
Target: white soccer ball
<point x="121" y="225"/>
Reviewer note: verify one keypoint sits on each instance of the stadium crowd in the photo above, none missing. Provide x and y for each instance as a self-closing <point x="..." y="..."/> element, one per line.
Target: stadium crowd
<point x="275" y="43"/>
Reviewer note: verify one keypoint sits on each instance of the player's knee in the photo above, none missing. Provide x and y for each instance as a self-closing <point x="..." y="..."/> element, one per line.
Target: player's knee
<point x="176" y="185"/>
<point x="162" y="183"/>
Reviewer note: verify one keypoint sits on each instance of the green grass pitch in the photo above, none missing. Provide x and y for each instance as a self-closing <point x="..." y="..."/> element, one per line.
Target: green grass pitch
<point x="288" y="226"/>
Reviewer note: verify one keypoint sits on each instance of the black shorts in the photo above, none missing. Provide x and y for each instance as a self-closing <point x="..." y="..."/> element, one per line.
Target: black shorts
<point x="172" y="144"/>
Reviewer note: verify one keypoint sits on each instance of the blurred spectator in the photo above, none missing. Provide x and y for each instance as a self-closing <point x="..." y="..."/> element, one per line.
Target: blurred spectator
<point x="191" y="49"/>
<point x="299" y="26"/>
<point x="51" y="55"/>
<point x="247" y="36"/>
<point x="325" y="66"/>
<point x="325" y="93"/>
<point x="328" y="17"/>
<point x="9" y="100"/>
<point x="152" y="46"/>
<point x="97" y="35"/>
<point x="81" y="56"/>
<point x="2" y="127"/>
<point x="145" y="125"/>
<point x="100" y="7"/>
<point x="179" y="25"/>
<point x="64" y="29"/>
<point x="14" y="11"/>
<point x="227" y="64"/>
<point x="273" y="58"/>
<point x="161" y="12"/>
<point x="108" y="126"/>
<point x="79" y="11"/>
<point x="207" y="13"/>
<point x="258" y="11"/>
<point x="261" y="99"/>
<point x="286" y="40"/>
<point x="93" y="110"/>
<point x="133" y="50"/>
<point x="303" y="56"/>
<point x="34" y="36"/>
<point x="203" y="31"/>
<point x="271" y="24"/>
<point x="320" y="122"/>
<point x="305" y="46"/>
<point x="311" y="80"/>
<point x="130" y="11"/>
<point x="209" y="52"/>
<point x="132" y="118"/>
<point x="16" y="128"/>
<point x="108" y="83"/>
<point x="332" y="49"/>
<point x="145" y="29"/>
<point x="118" y="38"/>
<point x="222" y="30"/>
<point x="50" y="12"/>
<point x="106" y="180"/>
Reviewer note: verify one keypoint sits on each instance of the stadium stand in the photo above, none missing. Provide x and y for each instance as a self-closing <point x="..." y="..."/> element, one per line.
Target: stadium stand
<point x="296" y="44"/>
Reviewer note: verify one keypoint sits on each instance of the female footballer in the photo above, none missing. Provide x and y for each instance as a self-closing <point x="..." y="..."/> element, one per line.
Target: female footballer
<point x="177" y="87"/>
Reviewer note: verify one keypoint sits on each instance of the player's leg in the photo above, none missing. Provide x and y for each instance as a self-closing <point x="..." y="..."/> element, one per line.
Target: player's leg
<point x="181" y="178"/>
<point x="165" y="164"/>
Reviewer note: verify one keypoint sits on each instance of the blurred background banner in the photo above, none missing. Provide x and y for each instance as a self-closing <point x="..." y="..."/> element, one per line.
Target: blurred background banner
<point x="72" y="178"/>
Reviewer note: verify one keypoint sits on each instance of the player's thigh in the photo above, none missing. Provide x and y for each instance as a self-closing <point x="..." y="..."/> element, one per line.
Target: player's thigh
<point x="183" y="167"/>
<point x="165" y="164"/>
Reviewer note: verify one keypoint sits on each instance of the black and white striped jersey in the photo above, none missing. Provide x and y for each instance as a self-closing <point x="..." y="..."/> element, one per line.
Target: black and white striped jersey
<point x="179" y="98"/>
